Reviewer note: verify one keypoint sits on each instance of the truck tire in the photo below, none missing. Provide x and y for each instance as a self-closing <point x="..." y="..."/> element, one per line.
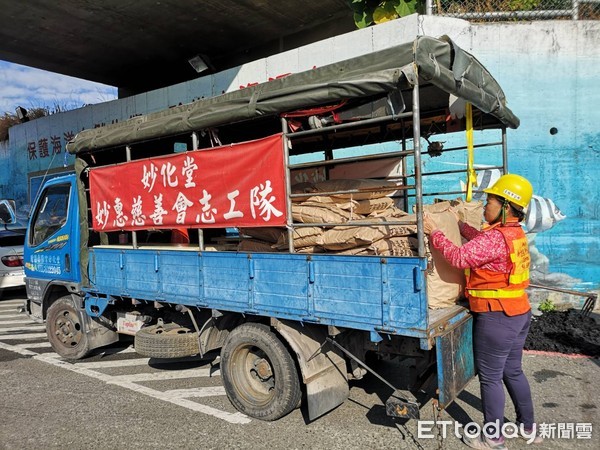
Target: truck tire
<point x="167" y="340"/>
<point x="259" y="374"/>
<point x="65" y="330"/>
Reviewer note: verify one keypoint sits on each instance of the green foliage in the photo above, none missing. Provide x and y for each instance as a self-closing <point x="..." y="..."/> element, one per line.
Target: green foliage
<point x="547" y="306"/>
<point x="522" y="5"/>
<point x="8" y="120"/>
<point x="370" y="12"/>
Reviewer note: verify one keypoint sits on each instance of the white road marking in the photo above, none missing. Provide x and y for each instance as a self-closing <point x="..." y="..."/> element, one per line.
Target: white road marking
<point x="11" y="302"/>
<point x="30" y="327"/>
<point x="25" y="336"/>
<point x="136" y="362"/>
<point x="127" y="382"/>
<point x="166" y="375"/>
<point x="211" y="391"/>
<point x="9" y="308"/>
<point x="12" y="322"/>
<point x="110" y="364"/>
<point x="33" y="345"/>
<point x="14" y="316"/>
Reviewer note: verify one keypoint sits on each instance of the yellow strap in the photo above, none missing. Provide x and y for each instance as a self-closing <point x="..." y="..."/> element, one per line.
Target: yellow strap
<point x="471" y="175"/>
<point x="500" y="293"/>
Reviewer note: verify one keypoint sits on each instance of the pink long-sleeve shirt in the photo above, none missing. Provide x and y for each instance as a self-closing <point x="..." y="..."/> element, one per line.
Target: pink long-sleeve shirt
<point x="484" y="249"/>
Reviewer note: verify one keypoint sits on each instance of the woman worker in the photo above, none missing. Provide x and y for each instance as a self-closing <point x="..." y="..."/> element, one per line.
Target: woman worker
<point x="496" y="263"/>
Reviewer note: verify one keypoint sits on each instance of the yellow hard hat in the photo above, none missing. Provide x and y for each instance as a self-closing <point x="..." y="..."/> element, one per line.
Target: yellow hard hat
<point x="513" y="188"/>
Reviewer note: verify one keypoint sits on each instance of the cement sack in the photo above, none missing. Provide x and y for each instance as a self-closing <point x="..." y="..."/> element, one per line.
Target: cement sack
<point x="396" y="246"/>
<point x="346" y="237"/>
<point x="470" y="213"/>
<point x="342" y="203"/>
<point x="367" y="188"/>
<point x="370" y="206"/>
<point x="302" y="188"/>
<point x="318" y="213"/>
<point x="303" y="237"/>
<point x="445" y="284"/>
<point x="268" y="234"/>
<point x="363" y="250"/>
<point x="392" y="213"/>
<point x="254" y="245"/>
<point x="312" y="249"/>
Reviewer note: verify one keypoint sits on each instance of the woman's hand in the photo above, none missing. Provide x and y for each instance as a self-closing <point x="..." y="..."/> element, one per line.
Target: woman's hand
<point x="429" y="225"/>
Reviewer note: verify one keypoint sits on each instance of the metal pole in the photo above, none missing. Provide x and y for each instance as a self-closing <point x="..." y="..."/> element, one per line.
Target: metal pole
<point x="134" y="242"/>
<point x="504" y="152"/>
<point x="200" y="230"/>
<point x="429" y="7"/>
<point x="404" y="171"/>
<point x="417" y="157"/>
<point x="288" y="184"/>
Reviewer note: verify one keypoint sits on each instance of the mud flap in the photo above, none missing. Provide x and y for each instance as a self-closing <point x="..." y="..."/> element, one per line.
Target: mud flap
<point x="98" y="334"/>
<point x="323" y="367"/>
<point x="455" y="362"/>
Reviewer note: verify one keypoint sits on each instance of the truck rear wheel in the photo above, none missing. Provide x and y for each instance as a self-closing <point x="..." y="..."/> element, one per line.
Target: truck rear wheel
<point x="65" y="330"/>
<point x="259" y="374"/>
<point x="167" y="340"/>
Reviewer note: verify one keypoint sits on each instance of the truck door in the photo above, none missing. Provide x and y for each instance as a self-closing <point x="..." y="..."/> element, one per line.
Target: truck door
<point x="51" y="244"/>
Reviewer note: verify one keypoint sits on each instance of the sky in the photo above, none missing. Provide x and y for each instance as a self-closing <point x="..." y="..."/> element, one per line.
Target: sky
<point x="33" y="88"/>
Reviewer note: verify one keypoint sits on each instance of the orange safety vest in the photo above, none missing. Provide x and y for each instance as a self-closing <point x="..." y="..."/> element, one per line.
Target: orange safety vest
<point x="497" y="291"/>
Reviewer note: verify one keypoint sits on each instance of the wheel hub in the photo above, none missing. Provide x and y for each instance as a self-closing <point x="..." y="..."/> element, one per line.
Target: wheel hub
<point x="67" y="330"/>
<point x="263" y="369"/>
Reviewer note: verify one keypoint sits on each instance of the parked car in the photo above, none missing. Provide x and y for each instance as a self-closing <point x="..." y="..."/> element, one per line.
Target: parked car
<point x="12" y="238"/>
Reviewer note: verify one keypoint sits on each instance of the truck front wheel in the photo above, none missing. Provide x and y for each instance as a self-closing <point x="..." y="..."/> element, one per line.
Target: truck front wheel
<point x="259" y="374"/>
<point x="65" y="330"/>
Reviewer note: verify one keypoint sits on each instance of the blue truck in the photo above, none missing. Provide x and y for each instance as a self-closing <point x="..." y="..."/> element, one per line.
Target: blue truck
<point x="294" y="324"/>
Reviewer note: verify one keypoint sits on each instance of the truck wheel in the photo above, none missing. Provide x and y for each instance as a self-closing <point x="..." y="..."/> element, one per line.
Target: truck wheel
<point x="259" y="374"/>
<point x="167" y="340"/>
<point x="64" y="327"/>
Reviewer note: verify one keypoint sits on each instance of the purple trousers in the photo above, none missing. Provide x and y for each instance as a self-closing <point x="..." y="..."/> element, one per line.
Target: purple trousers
<point x="498" y="342"/>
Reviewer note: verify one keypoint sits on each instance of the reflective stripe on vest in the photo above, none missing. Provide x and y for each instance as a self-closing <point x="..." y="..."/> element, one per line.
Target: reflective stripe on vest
<point x="499" y="293"/>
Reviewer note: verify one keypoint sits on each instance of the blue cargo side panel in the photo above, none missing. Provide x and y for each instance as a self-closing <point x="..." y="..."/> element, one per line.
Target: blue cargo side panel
<point x="180" y="276"/>
<point x="279" y="284"/>
<point x="348" y="289"/>
<point x="141" y="270"/>
<point x="407" y="294"/>
<point x="105" y="270"/>
<point x="361" y="292"/>
<point x="226" y="280"/>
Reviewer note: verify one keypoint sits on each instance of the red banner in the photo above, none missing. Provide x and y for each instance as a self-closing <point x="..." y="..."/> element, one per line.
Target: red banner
<point x="229" y="186"/>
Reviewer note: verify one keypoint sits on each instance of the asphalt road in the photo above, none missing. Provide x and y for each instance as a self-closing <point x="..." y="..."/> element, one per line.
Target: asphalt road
<point x="116" y="399"/>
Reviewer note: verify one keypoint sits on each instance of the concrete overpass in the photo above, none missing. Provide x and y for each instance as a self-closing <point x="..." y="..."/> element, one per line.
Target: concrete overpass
<point x="142" y="45"/>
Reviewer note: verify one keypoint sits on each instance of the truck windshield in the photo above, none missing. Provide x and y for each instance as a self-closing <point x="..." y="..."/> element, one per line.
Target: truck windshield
<point x="51" y="213"/>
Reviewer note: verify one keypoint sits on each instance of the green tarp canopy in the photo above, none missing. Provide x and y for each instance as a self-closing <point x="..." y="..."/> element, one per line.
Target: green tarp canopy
<point x="437" y="61"/>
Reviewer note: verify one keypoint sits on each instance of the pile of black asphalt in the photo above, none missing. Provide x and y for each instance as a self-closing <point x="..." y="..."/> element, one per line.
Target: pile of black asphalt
<point x="567" y="332"/>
